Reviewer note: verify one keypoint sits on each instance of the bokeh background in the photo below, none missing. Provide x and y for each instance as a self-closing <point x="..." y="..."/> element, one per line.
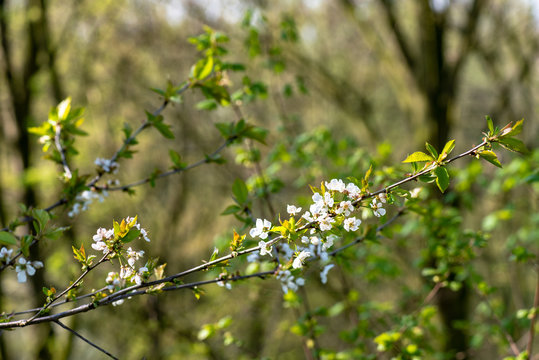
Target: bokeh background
<point x="346" y="84"/>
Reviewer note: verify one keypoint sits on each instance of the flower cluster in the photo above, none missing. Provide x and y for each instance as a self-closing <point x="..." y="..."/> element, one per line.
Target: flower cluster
<point x="332" y="207"/>
<point x="111" y="241"/>
<point x="288" y="281"/>
<point x="107" y="165"/>
<point x="85" y="199"/>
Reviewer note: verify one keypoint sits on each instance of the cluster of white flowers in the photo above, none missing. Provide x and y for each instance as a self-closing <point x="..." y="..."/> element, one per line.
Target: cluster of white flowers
<point x="332" y="206"/>
<point x="100" y="239"/>
<point x="107" y="165"/>
<point x="129" y="273"/>
<point x="288" y="281"/>
<point x="85" y="199"/>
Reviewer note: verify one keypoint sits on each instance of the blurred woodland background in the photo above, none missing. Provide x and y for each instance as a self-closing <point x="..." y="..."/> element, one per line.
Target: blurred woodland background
<point x="340" y="85"/>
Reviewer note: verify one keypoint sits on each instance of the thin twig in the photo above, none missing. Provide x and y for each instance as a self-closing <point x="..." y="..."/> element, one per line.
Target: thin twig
<point x="73" y="285"/>
<point x="85" y="340"/>
<point x="135" y="289"/>
<point x="167" y="173"/>
<point x="127" y="142"/>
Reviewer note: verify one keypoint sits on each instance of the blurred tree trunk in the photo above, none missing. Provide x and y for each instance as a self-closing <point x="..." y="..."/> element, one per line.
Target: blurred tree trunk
<point x="437" y="79"/>
<point x="19" y="81"/>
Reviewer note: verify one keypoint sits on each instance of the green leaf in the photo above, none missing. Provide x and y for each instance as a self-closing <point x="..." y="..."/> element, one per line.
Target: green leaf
<point x="231" y="209"/>
<point x="41" y="218"/>
<point x="442" y="178"/>
<point x="7" y="238"/>
<point x="431" y="150"/>
<point x="513" y="130"/>
<point x="256" y="133"/>
<point x="26" y="240"/>
<point x="513" y="144"/>
<point x="449" y="146"/>
<point x="131" y="235"/>
<point x="55" y="233"/>
<point x="164" y="129"/>
<point x="490" y="124"/>
<point x="490" y="156"/>
<point x="208" y="67"/>
<point x="239" y="189"/>
<point x="153" y="118"/>
<point x="176" y="159"/>
<point x="226" y="129"/>
<point x="208" y="104"/>
<point x="418" y="156"/>
<point x="158" y="91"/>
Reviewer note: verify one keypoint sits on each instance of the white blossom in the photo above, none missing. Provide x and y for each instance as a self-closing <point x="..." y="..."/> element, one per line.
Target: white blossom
<point x="353" y="190"/>
<point x="264" y="249"/>
<point x="336" y="185"/>
<point x="288" y="282"/>
<point x="324" y="273"/>
<point x="378" y="209"/>
<point x="352" y="224"/>
<point x="292" y="210"/>
<point x="26" y="267"/>
<point x="133" y="256"/>
<point x="345" y="208"/>
<point x="329" y="242"/>
<point x="300" y="258"/>
<point x="5" y="254"/>
<point x="325" y="223"/>
<point x="137" y="278"/>
<point x="261" y="229"/>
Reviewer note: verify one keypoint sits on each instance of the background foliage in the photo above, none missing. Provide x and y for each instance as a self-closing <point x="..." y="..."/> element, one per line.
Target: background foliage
<point x="340" y="86"/>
